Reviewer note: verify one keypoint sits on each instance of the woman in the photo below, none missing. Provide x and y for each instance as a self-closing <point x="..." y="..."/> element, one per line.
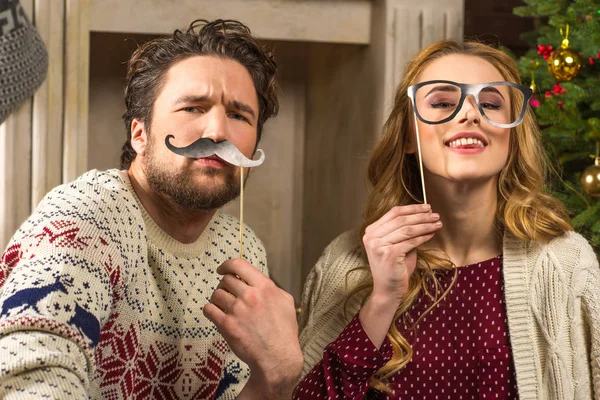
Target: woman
<point x="484" y="292"/>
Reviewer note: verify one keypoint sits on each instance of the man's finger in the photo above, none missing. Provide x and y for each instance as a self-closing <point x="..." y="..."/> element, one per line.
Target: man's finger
<point x="215" y="314"/>
<point x="223" y="300"/>
<point x="243" y="269"/>
<point x="233" y="285"/>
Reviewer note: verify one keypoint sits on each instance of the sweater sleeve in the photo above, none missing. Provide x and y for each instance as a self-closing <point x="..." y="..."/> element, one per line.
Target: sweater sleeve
<point x="339" y="357"/>
<point x="591" y="316"/>
<point x="58" y="278"/>
<point x="347" y="366"/>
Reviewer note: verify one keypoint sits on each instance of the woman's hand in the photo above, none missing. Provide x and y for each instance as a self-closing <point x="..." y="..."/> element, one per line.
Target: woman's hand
<point x="391" y="244"/>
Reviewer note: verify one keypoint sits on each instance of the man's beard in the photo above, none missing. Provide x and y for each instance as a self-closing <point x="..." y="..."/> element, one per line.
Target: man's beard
<point x="179" y="186"/>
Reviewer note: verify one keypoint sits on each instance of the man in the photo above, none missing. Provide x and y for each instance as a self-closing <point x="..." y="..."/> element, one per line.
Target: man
<point x="105" y="289"/>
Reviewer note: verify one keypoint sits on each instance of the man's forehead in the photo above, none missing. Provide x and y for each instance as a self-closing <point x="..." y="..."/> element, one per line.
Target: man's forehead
<point x="215" y="78"/>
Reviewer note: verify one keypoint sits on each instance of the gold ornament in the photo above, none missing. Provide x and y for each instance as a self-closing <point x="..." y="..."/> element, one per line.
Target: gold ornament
<point x="590" y="179"/>
<point x="564" y="63"/>
<point x="532" y="68"/>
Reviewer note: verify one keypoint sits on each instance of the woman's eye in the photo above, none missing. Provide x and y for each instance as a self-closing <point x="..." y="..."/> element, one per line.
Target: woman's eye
<point x="441" y="104"/>
<point x="490" y="106"/>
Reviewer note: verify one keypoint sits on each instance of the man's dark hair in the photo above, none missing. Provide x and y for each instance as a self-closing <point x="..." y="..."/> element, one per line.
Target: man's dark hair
<point x="229" y="39"/>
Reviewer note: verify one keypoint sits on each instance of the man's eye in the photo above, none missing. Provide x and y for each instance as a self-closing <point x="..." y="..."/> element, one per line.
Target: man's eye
<point x="191" y="109"/>
<point x="237" y="116"/>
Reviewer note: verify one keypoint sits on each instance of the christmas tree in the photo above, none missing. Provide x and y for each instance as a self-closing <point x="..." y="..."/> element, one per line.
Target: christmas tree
<point x="565" y="76"/>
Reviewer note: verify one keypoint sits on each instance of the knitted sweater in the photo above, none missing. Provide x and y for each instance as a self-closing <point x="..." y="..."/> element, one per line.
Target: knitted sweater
<point x="97" y="301"/>
<point x="553" y="305"/>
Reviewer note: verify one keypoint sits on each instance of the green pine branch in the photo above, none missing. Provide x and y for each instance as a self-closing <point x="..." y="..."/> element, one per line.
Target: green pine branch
<point x="570" y="121"/>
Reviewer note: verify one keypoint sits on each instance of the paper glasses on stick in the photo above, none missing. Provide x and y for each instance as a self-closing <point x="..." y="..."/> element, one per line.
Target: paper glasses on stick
<point x="439" y="101"/>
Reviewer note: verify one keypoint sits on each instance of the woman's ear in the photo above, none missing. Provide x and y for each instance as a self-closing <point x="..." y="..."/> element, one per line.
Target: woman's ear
<point x="411" y="140"/>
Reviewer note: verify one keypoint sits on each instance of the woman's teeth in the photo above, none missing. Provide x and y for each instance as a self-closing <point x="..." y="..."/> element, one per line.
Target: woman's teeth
<point x="466" y="142"/>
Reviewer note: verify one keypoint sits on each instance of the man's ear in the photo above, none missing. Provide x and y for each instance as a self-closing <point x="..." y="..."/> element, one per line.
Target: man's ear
<point x="139" y="137"/>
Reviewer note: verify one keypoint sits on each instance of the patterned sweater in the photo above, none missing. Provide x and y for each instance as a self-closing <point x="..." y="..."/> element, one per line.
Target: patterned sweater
<point x="552" y="295"/>
<point x="96" y="301"/>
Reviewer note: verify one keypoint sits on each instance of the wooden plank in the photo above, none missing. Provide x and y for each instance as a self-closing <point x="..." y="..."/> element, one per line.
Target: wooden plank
<point x="15" y="163"/>
<point x="334" y="21"/>
<point x="77" y="57"/>
<point x="455" y="26"/>
<point x="48" y="104"/>
<point x="339" y="135"/>
<point x="15" y="171"/>
<point x="273" y="196"/>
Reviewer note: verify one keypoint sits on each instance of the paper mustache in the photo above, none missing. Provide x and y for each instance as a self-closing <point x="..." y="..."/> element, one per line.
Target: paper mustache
<point x="204" y="147"/>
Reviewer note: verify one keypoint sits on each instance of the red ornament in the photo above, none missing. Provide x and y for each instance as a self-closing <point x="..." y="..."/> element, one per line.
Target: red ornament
<point x="558" y="89"/>
<point x="561" y="105"/>
<point x="548" y="94"/>
<point x="591" y="60"/>
<point x="535" y="103"/>
<point x="545" y="51"/>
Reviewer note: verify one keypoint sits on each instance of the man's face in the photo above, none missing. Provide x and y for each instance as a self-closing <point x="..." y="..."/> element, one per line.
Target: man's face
<point x="202" y="97"/>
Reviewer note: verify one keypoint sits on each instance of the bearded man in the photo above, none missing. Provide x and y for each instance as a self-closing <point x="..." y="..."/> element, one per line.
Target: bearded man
<point x="125" y="284"/>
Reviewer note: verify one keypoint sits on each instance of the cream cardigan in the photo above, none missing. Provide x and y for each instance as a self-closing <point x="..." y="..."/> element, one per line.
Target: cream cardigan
<point x="553" y="304"/>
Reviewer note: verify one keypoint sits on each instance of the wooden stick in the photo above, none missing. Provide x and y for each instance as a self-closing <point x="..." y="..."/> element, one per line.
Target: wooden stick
<point x="420" y="160"/>
<point x="241" y="210"/>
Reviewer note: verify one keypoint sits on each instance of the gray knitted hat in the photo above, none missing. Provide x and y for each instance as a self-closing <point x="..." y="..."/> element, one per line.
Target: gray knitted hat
<point x="23" y="57"/>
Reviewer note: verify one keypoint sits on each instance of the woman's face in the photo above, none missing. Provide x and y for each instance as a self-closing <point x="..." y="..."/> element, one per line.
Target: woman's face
<point x="466" y="148"/>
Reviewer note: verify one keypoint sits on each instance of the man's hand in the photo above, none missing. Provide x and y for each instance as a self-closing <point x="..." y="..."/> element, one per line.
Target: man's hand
<point x="258" y="321"/>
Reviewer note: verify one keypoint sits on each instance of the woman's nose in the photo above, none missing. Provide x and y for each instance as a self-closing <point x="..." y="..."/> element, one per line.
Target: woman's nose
<point x="469" y="111"/>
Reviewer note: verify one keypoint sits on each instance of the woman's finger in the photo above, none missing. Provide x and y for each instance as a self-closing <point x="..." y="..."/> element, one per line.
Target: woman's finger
<point x="408" y="232"/>
<point x="406" y="246"/>
<point x="405" y="220"/>
<point x="399" y="211"/>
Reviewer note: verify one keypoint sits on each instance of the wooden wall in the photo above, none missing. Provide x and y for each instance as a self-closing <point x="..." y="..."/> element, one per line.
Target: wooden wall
<point x="340" y="62"/>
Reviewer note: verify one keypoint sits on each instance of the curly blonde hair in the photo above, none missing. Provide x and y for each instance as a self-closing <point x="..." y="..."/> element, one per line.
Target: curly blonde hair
<point x="523" y="208"/>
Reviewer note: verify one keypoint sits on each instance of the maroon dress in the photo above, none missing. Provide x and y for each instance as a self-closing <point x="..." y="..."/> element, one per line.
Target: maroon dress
<point x="461" y="348"/>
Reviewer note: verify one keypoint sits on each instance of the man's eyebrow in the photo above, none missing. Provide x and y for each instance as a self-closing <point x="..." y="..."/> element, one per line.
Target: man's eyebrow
<point x="243" y="107"/>
<point x="191" y="99"/>
<point x="238" y="105"/>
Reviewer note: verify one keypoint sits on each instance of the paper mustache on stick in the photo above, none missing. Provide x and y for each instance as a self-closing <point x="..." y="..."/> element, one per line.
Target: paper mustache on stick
<point x="204" y="147"/>
<point x="227" y="152"/>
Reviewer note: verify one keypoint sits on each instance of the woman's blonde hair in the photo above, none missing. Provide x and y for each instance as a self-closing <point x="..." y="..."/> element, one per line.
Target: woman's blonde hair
<point x="523" y="207"/>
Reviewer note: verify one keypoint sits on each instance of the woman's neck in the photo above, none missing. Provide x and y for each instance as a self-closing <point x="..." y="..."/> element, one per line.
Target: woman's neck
<point x="468" y="211"/>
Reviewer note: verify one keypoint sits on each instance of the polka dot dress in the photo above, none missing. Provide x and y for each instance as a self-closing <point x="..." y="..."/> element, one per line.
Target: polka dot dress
<point x="461" y="348"/>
